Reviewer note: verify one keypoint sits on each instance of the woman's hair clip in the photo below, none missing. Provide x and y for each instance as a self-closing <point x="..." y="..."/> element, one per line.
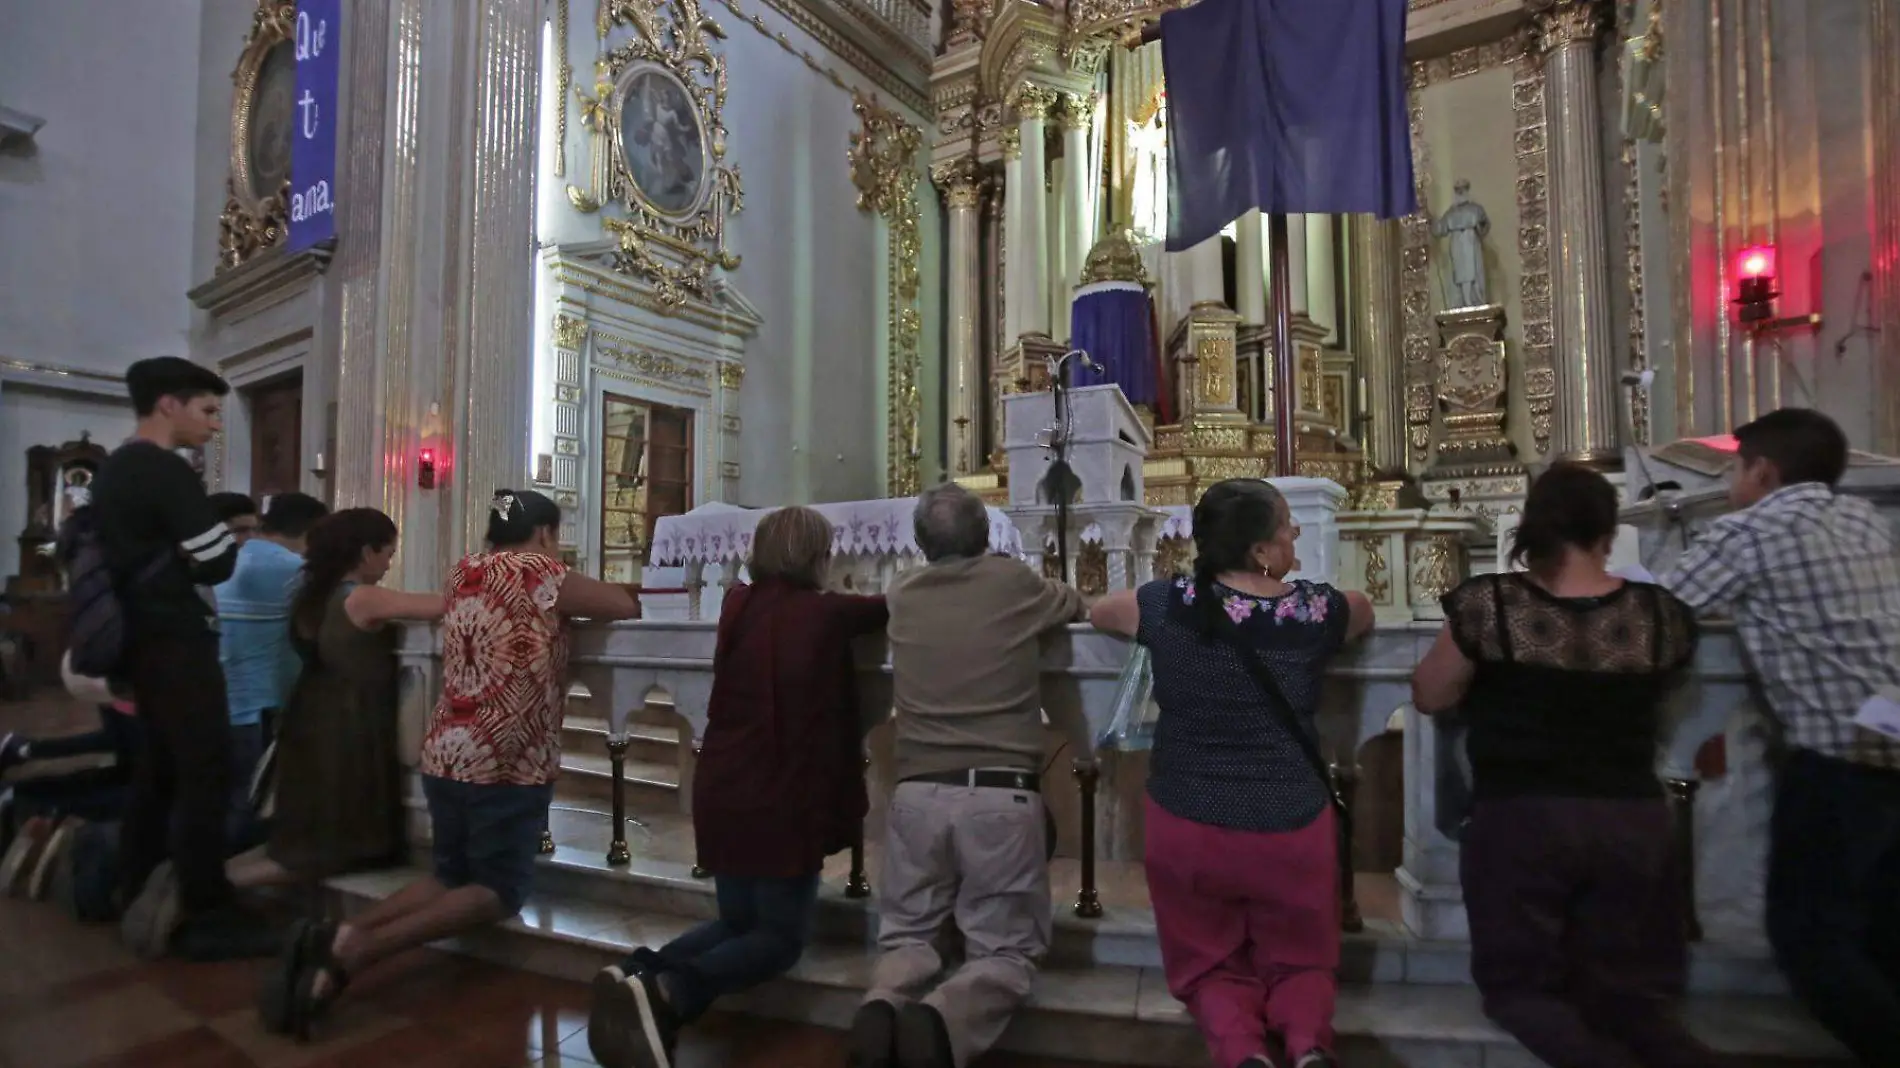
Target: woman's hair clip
<point x="503" y="504"/>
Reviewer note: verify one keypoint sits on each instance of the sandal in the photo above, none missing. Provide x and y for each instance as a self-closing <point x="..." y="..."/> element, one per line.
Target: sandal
<point x="318" y="959"/>
<point x="276" y="1001"/>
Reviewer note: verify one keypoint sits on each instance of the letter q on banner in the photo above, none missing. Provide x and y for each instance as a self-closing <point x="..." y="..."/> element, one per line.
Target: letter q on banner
<point x="318" y="41"/>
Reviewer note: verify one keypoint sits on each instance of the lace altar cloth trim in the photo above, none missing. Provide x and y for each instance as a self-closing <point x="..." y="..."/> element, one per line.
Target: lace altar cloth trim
<point x="716" y="533"/>
<point x="1178" y="524"/>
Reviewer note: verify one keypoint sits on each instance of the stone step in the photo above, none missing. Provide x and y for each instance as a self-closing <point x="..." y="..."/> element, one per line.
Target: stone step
<point x="1107" y="1013"/>
<point x="1124" y="936"/>
<point x="647" y="743"/>
<point x="649" y="788"/>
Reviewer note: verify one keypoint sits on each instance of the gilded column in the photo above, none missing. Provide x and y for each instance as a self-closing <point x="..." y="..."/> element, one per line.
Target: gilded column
<point x="1377" y="337"/>
<point x="1320" y="290"/>
<point x="1250" y="269"/>
<point x="1031" y="249"/>
<point x="958" y="181"/>
<point x="1579" y="268"/>
<point x="1013" y="257"/>
<point x="1075" y="115"/>
<point x="494" y="381"/>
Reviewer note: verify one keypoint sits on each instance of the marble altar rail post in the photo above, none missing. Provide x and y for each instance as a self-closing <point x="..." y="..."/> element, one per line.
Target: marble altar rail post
<point x="1587" y="390"/>
<point x="1376" y="337"/>
<point x="960" y="185"/>
<point x="621" y="664"/>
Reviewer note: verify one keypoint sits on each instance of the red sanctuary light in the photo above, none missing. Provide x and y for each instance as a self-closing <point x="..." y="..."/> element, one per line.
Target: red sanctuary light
<point x="1755" y="283"/>
<point x="425" y="468"/>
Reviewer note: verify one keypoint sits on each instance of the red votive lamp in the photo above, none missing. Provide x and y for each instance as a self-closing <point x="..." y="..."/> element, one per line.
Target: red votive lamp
<point x="1755" y="283"/>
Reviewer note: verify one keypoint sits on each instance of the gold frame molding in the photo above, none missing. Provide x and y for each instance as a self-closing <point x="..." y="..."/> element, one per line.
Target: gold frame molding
<point x="252" y="223"/>
<point x="675" y="253"/>
<point x="883" y="158"/>
<point x="1519" y="52"/>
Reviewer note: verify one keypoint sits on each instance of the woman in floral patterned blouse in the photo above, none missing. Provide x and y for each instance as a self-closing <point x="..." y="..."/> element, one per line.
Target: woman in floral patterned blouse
<point x="1242" y="847"/>
<point x="489" y="758"/>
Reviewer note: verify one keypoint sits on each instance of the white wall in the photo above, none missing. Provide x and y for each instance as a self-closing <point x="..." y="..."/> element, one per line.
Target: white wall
<point x="30" y="416"/>
<point x="97" y="220"/>
<point x="96" y="225"/>
<point x="814" y="266"/>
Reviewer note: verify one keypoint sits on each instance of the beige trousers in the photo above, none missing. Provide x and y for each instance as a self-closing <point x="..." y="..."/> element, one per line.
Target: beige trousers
<point x="975" y="855"/>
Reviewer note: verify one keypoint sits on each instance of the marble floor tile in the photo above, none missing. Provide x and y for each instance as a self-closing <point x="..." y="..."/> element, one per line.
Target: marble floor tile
<point x="200" y="1047"/>
<point x="350" y="1024"/>
<point x="72" y="1033"/>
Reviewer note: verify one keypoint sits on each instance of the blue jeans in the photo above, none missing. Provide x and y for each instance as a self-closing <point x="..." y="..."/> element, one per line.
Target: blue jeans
<point x="761" y="931"/>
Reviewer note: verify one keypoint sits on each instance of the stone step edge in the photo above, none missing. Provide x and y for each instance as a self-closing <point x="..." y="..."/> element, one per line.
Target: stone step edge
<point x="596" y="726"/>
<point x="575" y="862"/>
<point x="1390" y="1016"/>
<point x="637" y="772"/>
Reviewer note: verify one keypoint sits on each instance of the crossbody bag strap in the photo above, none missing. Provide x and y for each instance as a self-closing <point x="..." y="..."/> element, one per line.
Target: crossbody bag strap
<point x="1282" y="710"/>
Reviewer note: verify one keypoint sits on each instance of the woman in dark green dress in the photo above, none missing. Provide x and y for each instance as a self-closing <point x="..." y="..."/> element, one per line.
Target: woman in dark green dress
<point x="338" y="803"/>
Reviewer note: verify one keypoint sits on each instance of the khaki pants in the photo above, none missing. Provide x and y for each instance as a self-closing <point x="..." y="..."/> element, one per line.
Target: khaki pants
<point x="976" y="855"/>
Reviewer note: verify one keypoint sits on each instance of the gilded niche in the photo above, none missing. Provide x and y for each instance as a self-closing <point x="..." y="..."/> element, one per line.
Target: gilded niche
<point x="263" y="102"/>
<point x="883" y="160"/>
<point x="667" y="146"/>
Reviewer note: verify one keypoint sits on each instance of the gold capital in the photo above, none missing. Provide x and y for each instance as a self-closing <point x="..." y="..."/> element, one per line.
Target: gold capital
<point x="1076" y="111"/>
<point x="1564" y="22"/>
<point x="958" y="180"/>
<point x="1033" y="101"/>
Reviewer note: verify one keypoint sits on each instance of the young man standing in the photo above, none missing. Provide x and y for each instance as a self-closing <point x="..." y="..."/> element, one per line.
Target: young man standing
<point x="1812" y="580"/>
<point x="151" y="507"/>
<point x="254" y="641"/>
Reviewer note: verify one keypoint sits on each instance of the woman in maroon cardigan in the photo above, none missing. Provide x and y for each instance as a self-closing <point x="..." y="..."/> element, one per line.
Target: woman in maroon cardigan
<point x="779" y="787"/>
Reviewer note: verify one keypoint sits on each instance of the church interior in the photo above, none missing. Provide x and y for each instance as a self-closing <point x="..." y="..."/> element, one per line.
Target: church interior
<point x="674" y="263"/>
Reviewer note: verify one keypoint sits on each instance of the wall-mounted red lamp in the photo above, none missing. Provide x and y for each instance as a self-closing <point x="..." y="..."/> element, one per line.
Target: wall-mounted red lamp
<point x="1755" y="292"/>
<point x="425" y="468"/>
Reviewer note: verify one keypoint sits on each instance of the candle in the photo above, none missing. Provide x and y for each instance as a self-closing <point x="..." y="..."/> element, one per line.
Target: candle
<point x="320" y="466"/>
<point x="1363" y="394"/>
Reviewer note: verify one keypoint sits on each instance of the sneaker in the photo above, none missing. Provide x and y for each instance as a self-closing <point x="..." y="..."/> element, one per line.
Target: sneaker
<point x="922" y="1039"/>
<point x="631" y="1025"/>
<point x="1316" y="1058"/>
<point x="874" y="1036"/>
<point x="227" y="933"/>
<point x="58" y="845"/>
<point x="16" y="867"/>
<point x="147" y="925"/>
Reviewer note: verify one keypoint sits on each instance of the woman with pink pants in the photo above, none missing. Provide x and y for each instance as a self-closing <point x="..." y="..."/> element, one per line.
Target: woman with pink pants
<point x="1242" y="845"/>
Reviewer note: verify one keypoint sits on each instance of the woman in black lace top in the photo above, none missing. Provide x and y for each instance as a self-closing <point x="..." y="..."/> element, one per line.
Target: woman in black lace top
<point x="1560" y="672"/>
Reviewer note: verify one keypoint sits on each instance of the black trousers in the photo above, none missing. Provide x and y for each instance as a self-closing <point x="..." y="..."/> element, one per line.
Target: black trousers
<point x="1834" y="898"/>
<point x="1579" y="939"/>
<point x="181" y="789"/>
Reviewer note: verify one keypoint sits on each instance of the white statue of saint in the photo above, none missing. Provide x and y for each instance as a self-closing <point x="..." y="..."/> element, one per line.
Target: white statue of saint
<point x="1466" y="225"/>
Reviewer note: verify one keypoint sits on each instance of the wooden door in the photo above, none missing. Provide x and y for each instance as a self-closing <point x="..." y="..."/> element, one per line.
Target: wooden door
<point x="276" y="409"/>
<point x="669" y="464"/>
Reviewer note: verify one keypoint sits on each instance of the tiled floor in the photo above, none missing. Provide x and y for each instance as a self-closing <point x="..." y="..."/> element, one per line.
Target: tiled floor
<point x="70" y="997"/>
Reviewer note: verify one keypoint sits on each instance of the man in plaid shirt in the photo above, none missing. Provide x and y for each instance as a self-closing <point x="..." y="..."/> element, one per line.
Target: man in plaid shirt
<point x="1812" y="580"/>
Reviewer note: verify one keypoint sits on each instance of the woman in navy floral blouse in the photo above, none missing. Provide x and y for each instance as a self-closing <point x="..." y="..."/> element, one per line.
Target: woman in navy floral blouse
<point x="1242" y="847"/>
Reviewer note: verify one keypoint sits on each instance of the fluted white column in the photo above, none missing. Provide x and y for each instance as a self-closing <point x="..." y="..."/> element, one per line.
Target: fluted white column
<point x="1250" y="269"/>
<point x="1296" y="263"/>
<point x="1014" y="255"/>
<point x="494" y="374"/>
<point x="1206" y="279"/>
<point x="958" y="181"/>
<point x="1320" y="288"/>
<point x="1032" y="111"/>
<point x="1076" y="115"/>
<point x="1587" y="417"/>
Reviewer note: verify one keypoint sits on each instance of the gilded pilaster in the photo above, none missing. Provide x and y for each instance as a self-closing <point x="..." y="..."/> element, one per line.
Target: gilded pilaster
<point x="357" y="467"/>
<point x="1377" y="338"/>
<point x="1586" y="363"/>
<point x="495" y="378"/>
<point x="961" y="190"/>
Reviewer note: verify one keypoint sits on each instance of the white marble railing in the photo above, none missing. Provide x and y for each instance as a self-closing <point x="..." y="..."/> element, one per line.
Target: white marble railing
<point x="623" y="666"/>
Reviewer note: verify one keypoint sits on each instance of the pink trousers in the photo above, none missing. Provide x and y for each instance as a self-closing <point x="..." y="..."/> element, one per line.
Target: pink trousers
<point x="1249" y="930"/>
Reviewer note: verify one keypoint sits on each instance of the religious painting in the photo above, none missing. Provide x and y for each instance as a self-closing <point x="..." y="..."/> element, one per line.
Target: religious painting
<point x="662" y="142"/>
<point x="273" y="103"/>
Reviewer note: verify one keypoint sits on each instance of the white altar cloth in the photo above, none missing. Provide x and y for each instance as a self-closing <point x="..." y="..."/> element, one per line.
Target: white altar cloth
<point x="719" y="533"/>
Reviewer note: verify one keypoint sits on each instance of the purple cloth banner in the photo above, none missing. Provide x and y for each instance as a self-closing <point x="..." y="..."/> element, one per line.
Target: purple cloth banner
<point x="1111" y="323"/>
<point x="319" y="44"/>
<point x="1288" y="106"/>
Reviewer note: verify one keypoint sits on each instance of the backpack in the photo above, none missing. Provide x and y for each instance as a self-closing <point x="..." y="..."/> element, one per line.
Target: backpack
<point x="95" y="597"/>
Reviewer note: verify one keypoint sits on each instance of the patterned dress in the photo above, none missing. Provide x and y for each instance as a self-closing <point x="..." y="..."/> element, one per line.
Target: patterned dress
<point x="504" y="673"/>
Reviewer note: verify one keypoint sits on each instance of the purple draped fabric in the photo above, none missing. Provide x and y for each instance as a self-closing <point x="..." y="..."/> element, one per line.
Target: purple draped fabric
<point x="1288" y="106"/>
<point x="1114" y="327"/>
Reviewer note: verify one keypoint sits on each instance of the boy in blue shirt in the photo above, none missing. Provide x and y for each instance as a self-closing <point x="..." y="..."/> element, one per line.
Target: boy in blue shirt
<point x="254" y="642"/>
